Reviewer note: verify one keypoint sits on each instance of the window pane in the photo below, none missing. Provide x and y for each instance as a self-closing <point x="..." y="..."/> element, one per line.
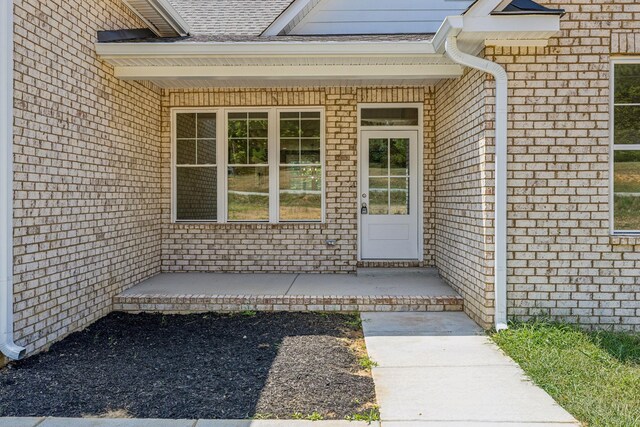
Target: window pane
<point x="206" y="125"/>
<point x="399" y="156"/>
<point x="626" y="187"/>
<point x="248" y="193"/>
<point x="206" y="151"/>
<point x="627" y="125"/>
<point x="399" y="196"/>
<point x="289" y="151"/>
<point x="238" y="151"/>
<point x="300" y="193"/>
<point x="186" y="125"/>
<point x="310" y="151"/>
<point x="310" y="128"/>
<point x="237" y="128"/>
<point x="378" y="196"/>
<point x="627" y="84"/>
<point x="258" y="152"/>
<point x="186" y="151"/>
<point x="378" y="160"/>
<point x="196" y="196"/>
<point x="389" y="117"/>
<point x="289" y="128"/>
<point x="258" y="128"/>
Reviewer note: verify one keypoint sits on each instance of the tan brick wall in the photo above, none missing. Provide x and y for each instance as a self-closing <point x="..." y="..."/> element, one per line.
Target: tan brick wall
<point x="563" y="262"/>
<point x="290" y="247"/>
<point x="463" y="224"/>
<point x="87" y="170"/>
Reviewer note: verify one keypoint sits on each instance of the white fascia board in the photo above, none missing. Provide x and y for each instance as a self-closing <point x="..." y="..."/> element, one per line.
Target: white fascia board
<point x="403" y="71"/>
<point x="483" y="7"/>
<point x="287" y="16"/>
<point x="261" y="49"/>
<point x="543" y="24"/>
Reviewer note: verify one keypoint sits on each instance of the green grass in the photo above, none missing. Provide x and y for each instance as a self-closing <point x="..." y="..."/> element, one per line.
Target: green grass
<point x="314" y="416"/>
<point x="366" y="363"/>
<point x="369" y="415"/>
<point x="593" y="375"/>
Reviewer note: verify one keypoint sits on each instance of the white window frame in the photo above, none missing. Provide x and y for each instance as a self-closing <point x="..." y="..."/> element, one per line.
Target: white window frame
<point x="222" y="147"/>
<point x="612" y="143"/>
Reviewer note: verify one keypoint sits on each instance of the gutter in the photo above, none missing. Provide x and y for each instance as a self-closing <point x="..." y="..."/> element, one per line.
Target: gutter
<point x="500" y="205"/>
<point x="8" y="347"/>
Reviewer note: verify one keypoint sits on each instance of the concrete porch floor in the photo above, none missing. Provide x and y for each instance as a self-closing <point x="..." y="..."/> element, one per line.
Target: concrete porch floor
<point x="375" y="289"/>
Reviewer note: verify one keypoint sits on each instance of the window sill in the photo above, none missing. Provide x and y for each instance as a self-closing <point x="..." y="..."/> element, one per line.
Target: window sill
<point x="625" y="239"/>
<point x="250" y="225"/>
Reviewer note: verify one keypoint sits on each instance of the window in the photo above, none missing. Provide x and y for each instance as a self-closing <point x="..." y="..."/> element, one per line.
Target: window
<point x="196" y="170"/>
<point x="626" y="147"/>
<point x="300" y="169"/>
<point x="262" y="165"/>
<point x="389" y="116"/>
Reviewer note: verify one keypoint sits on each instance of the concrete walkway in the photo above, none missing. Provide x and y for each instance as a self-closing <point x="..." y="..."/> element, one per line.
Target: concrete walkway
<point x="103" y="422"/>
<point x="439" y="369"/>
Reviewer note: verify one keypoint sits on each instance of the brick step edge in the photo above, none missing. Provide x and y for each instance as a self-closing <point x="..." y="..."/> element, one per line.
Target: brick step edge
<point x="227" y="303"/>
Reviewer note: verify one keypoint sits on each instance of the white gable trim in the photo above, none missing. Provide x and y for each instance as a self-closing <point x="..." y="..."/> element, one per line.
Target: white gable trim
<point x="160" y="17"/>
<point x="291" y="14"/>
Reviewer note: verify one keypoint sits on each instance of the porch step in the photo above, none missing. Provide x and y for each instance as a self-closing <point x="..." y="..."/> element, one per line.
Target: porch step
<point x="225" y="303"/>
<point x="374" y="290"/>
<point x="390" y="264"/>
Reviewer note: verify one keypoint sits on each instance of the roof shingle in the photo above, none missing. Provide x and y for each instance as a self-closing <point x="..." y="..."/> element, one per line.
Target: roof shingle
<point x="229" y="17"/>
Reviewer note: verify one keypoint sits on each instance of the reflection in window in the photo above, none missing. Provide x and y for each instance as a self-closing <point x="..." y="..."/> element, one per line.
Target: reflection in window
<point x="626" y="148"/>
<point x="300" y="192"/>
<point x="389" y="117"/>
<point x="248" y="182"/>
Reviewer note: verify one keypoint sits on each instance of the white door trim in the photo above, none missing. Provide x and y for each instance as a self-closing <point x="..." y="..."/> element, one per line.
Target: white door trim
<point x="420" y="172"/>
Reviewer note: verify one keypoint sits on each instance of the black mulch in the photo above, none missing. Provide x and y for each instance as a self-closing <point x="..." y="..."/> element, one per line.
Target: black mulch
<point x="194" y="366"/>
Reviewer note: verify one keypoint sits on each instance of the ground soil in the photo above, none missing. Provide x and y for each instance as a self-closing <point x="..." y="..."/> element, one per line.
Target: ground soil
<point x="211" y="366"/>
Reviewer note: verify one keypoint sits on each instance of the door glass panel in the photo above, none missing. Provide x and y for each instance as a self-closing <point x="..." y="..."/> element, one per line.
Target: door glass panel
<point x="378" y="196"/>
<point x="378" y="157"/>
<point x="389" y="176"/>
<point x="399" y="196"/>
<point x="399" y="156"/>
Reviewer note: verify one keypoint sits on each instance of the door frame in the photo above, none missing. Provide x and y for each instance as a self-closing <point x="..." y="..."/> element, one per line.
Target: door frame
<point x="420" y="169"/>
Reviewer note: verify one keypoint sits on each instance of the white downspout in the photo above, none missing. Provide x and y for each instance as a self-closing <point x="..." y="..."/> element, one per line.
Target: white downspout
<point x="7" y="346"/>
<point x="500" y="222"/>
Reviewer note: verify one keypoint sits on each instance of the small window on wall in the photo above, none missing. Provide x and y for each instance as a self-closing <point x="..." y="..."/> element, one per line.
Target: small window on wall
<point x="265" y="166"/>
<point x="389" y="116"/>
<point x="626" y="147"/>
<point x="196" y="169"/>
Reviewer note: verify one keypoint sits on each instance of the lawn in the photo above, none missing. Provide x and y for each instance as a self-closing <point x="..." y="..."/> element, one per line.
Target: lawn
<point x="208" y="366"/>
<point x="593" y="375"/>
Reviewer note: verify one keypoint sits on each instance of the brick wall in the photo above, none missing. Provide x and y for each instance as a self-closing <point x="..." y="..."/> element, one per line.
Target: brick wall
<point x="87" y="170"/>
<point x="290" y="247"/>
<point x="463" y="166"/>
<point x="562" y="261"/>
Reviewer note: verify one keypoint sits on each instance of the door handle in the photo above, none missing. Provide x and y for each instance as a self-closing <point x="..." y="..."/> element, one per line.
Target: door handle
<point x="363" y="209"/>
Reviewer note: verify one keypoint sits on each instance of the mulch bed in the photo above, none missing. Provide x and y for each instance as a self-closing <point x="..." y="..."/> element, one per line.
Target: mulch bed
<point x="211" y="366"/>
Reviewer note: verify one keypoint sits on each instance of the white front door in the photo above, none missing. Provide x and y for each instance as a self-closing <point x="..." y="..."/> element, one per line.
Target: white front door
<point x="389" y="195"/>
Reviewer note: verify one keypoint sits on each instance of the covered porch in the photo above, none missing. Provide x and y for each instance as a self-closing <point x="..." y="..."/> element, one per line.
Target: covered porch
<point x="370" y="289"/>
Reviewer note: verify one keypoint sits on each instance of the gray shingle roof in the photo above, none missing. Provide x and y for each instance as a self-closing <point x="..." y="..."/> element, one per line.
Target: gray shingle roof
<point x="229" y="17"/>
